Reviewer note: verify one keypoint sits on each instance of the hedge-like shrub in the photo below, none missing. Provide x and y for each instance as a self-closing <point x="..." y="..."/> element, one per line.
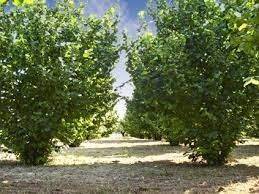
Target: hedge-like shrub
<point x="55" y="68"/>
<point x="192" y="71"/>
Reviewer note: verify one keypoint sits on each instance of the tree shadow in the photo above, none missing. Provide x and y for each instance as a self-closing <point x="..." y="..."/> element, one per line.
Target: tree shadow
<point x="160" y="176"/>
<point x="134" y="151"/>
<point x="135" y="148"/>
<point x="246" y="151"/>
<point x="112" y="141"/>
<point x="9" y="163"/>
<point x="152" y="168"/>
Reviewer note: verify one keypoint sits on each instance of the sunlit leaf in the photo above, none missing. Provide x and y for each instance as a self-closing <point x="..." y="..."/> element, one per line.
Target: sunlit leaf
<point x="28" y="2"/>
<point x="18" y="2"/>
<point x="141" y="14"/>
<point x="88" y="53"/>
<point x="251" y="81"/>
<point x="3" y="1"/>
<point x="243" y="26"/>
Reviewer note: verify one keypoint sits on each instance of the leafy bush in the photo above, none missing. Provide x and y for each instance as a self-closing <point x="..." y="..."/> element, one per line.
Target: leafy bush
<point x="247" y="39"/>
<point x="142" y="121"/>
<point x="192" y="72"/>
<point x="55" y="67"/>
<point x="109" y="124"/>
<point x="78" y="131"/>
<point x="82" y="129"/>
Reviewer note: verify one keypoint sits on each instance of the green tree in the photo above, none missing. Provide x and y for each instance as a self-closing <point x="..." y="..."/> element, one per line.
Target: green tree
<point x="246" y="23"/>
<point x="17" y="2"/>
<point x="100" y="124"/>
<point x="191" y="72"/>
<point x="55" y="68"/>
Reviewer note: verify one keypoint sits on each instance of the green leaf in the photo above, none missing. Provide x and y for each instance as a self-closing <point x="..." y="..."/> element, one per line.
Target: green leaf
<point x="88" y="53"/>
<point x="28" y="2"/>
<point x="3" y="1"/>
<point x="142" y="14"/>
<point x="251" y="81"/>
<point x="243" y="26"/>
<point x="18" y="2"/>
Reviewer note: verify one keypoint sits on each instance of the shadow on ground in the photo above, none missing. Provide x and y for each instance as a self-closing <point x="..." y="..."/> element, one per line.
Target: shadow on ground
<point x="246" y="151"/>
<point x="141" y="176"/>
<point x="126" y="140"/>
<point x="160" y="176"/>
<point x="136" y="151"/>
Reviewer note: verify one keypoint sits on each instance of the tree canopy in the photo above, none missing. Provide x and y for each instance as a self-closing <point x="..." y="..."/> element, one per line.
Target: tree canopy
<point x="190" y="75"/>
<point x="55" y="68"/>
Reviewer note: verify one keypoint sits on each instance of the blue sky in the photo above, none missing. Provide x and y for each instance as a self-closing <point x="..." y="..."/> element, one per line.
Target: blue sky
<point x="129" y="10"/>
<point x="134" y="6"/>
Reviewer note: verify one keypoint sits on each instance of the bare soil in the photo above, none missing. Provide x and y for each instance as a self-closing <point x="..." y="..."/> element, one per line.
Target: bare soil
<point x="129" y="165"/>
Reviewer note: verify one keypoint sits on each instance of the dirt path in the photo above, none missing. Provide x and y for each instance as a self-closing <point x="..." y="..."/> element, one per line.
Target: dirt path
<point x="128" y="165"/>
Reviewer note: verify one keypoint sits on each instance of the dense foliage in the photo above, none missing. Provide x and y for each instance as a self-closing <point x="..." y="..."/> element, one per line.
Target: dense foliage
<point x="55" y="70"/>
<point x="17" y="2"/>
<point x="95" y="126"/>
<point x="189" y="77"/>
<point x="247" y="24"/>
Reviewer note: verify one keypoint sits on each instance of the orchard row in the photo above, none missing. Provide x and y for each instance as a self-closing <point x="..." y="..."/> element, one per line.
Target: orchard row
<point x="56" y="83"/>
